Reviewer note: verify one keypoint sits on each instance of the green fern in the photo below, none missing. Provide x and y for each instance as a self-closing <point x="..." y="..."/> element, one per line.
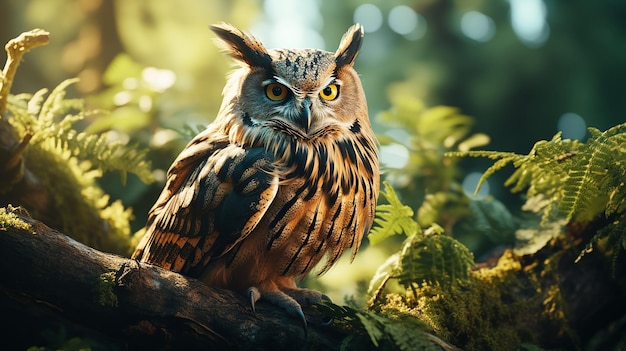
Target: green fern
<point x="392" y="218"/>
<point x="598" y="171"/>
<point x="369" y="329"/>
<point x="426" y="256"/>
<point x="574" y="180"/>
<point x="54" y="119"/>
<point x="426" y="133"/>
<point x="434" y="259"/>
<point x="67" y="163"/>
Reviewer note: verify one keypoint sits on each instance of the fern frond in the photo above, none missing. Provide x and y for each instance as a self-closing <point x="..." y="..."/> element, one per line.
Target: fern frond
<point x="615" y="236"/>
<point x="542" y="171"/>
<point x="502" y="160"/>
<point x="392" y="218"/>
<point x="576" y="180"/>
<point x="53" y="118"/>
<point x="587" y="189"/>
<point x="434" y="259"/>
<point x="371" y="329"/>
<point x="68" y="162"/>
<point x="108" y="155"/>
<point x="56" y="104"/>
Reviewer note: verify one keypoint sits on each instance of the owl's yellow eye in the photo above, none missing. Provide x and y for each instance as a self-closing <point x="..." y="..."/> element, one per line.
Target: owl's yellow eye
<point x="276" y="92"/>
<point x="330" y="92"/>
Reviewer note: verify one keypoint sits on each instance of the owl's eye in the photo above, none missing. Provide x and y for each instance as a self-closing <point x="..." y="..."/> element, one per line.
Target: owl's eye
<point x="276" y="92"/>
<point x="330" y="92"/>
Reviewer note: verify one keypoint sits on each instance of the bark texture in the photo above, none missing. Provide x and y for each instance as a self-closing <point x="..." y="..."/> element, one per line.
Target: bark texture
<point x="47" y="275"/>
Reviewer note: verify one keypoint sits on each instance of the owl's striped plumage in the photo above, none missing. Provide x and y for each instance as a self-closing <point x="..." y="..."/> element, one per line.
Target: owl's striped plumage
<point x="286" y="175"/>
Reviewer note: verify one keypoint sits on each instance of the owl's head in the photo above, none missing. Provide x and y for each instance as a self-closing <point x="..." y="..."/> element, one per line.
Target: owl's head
<point x="304" y="93"/>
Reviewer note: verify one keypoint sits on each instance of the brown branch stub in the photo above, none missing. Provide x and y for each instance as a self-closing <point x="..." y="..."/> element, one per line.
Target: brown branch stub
<point x="16" y="48"/>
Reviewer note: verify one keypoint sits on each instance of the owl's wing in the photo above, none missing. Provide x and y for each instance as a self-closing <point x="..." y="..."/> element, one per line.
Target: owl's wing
<point x="216" y="194"/>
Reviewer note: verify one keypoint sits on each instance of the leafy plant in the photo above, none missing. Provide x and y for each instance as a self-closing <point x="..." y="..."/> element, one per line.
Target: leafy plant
<point x="577" y="181"/>
<point x="67" y="164"/>
<point x="428" y="182"/>
<point x="369" y="329"/>
<point x="392" y="218"/>
<point x="426" y="256"/>
<point x="51" y="120"/>
<point x="426" y="133"/>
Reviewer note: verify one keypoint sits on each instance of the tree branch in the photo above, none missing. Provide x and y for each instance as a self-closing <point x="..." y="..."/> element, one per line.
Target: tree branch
<point x="51" y="274"/>
<point x="16" y="48"/>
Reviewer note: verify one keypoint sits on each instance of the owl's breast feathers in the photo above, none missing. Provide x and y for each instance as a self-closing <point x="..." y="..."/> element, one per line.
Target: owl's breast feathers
<point x="270" y="206"/>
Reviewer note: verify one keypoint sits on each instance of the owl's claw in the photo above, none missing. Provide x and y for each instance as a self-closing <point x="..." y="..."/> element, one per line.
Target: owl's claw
<point x="287" y="303"/>
<point x="290" y="300"/>
<point x="254" y="295"/>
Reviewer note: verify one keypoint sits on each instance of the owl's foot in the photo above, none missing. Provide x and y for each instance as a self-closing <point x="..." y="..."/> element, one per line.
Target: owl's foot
<point x="289" y="299"/>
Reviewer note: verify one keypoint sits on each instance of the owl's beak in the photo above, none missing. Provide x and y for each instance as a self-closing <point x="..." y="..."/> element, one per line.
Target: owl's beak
<point x="304" y="118"/>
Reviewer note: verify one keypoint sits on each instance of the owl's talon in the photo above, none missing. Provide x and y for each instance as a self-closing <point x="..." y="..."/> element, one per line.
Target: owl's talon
<point x="280" y="299"/>
<point x="254" y="295"/>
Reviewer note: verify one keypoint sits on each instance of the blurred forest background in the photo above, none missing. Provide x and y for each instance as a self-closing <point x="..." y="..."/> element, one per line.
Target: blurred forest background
<point x="522" y="69"/>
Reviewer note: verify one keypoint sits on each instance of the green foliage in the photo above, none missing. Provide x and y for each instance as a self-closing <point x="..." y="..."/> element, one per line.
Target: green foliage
<point x="430" y="257"/>
<point x="8" y="219"/>
<point x="370" y="330"/>
<point x="488" y="311"/>
<point x="426" y="256"/>
<point x="578" y="181"/>
<point x="427" y="133"/>
<point x="67" y="163"/>
<point x="52" y="121"/>
<point x="428" y="182"/>
<point x="104" y="290"/>
<point x="392" y="218"/>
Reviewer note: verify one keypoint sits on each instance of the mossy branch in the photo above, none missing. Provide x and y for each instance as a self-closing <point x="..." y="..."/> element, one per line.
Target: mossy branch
<point x="52" y="277"/>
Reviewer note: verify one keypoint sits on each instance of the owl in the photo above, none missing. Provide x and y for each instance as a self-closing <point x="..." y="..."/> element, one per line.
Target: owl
<point x="284" y="178"/>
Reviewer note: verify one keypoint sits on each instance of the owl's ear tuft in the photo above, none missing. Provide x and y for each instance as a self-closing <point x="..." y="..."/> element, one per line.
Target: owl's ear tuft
<point x="241" y="46"/>
<point x="349" y="46"/>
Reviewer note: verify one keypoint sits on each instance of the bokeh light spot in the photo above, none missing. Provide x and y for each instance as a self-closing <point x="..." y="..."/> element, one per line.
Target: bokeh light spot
<point x="528" y="18"/>
<point x="478" y="26"/>
<point x="403" y="20"/>
<point x="369" y="16"/>
<point x="158" y="79"/>
<point x="572" y="126"/>
<point x="394" y="156"/>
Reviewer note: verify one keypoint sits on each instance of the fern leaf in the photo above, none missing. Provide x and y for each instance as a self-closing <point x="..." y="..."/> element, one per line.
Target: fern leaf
<point x="502" y="159"/>
<point x="68" y="163"/>
<point x="393" y="218"/>
<point x="35" y="102"/>
<point x="50" y="119"/>
<point x="434" y="259"/>
<point x="584" y="192"/>
<point x="373" y="327"/>
<point x="56" y="105"/>
<point x="384" y="272"/>
<point x="382" y="331"/>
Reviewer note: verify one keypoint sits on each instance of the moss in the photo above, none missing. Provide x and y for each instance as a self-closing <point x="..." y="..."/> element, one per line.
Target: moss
<point x="8" y="219"/>
<point x="83" y="210"/>
<point x="104" y="290"/>
<point x="496" y="309"/>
